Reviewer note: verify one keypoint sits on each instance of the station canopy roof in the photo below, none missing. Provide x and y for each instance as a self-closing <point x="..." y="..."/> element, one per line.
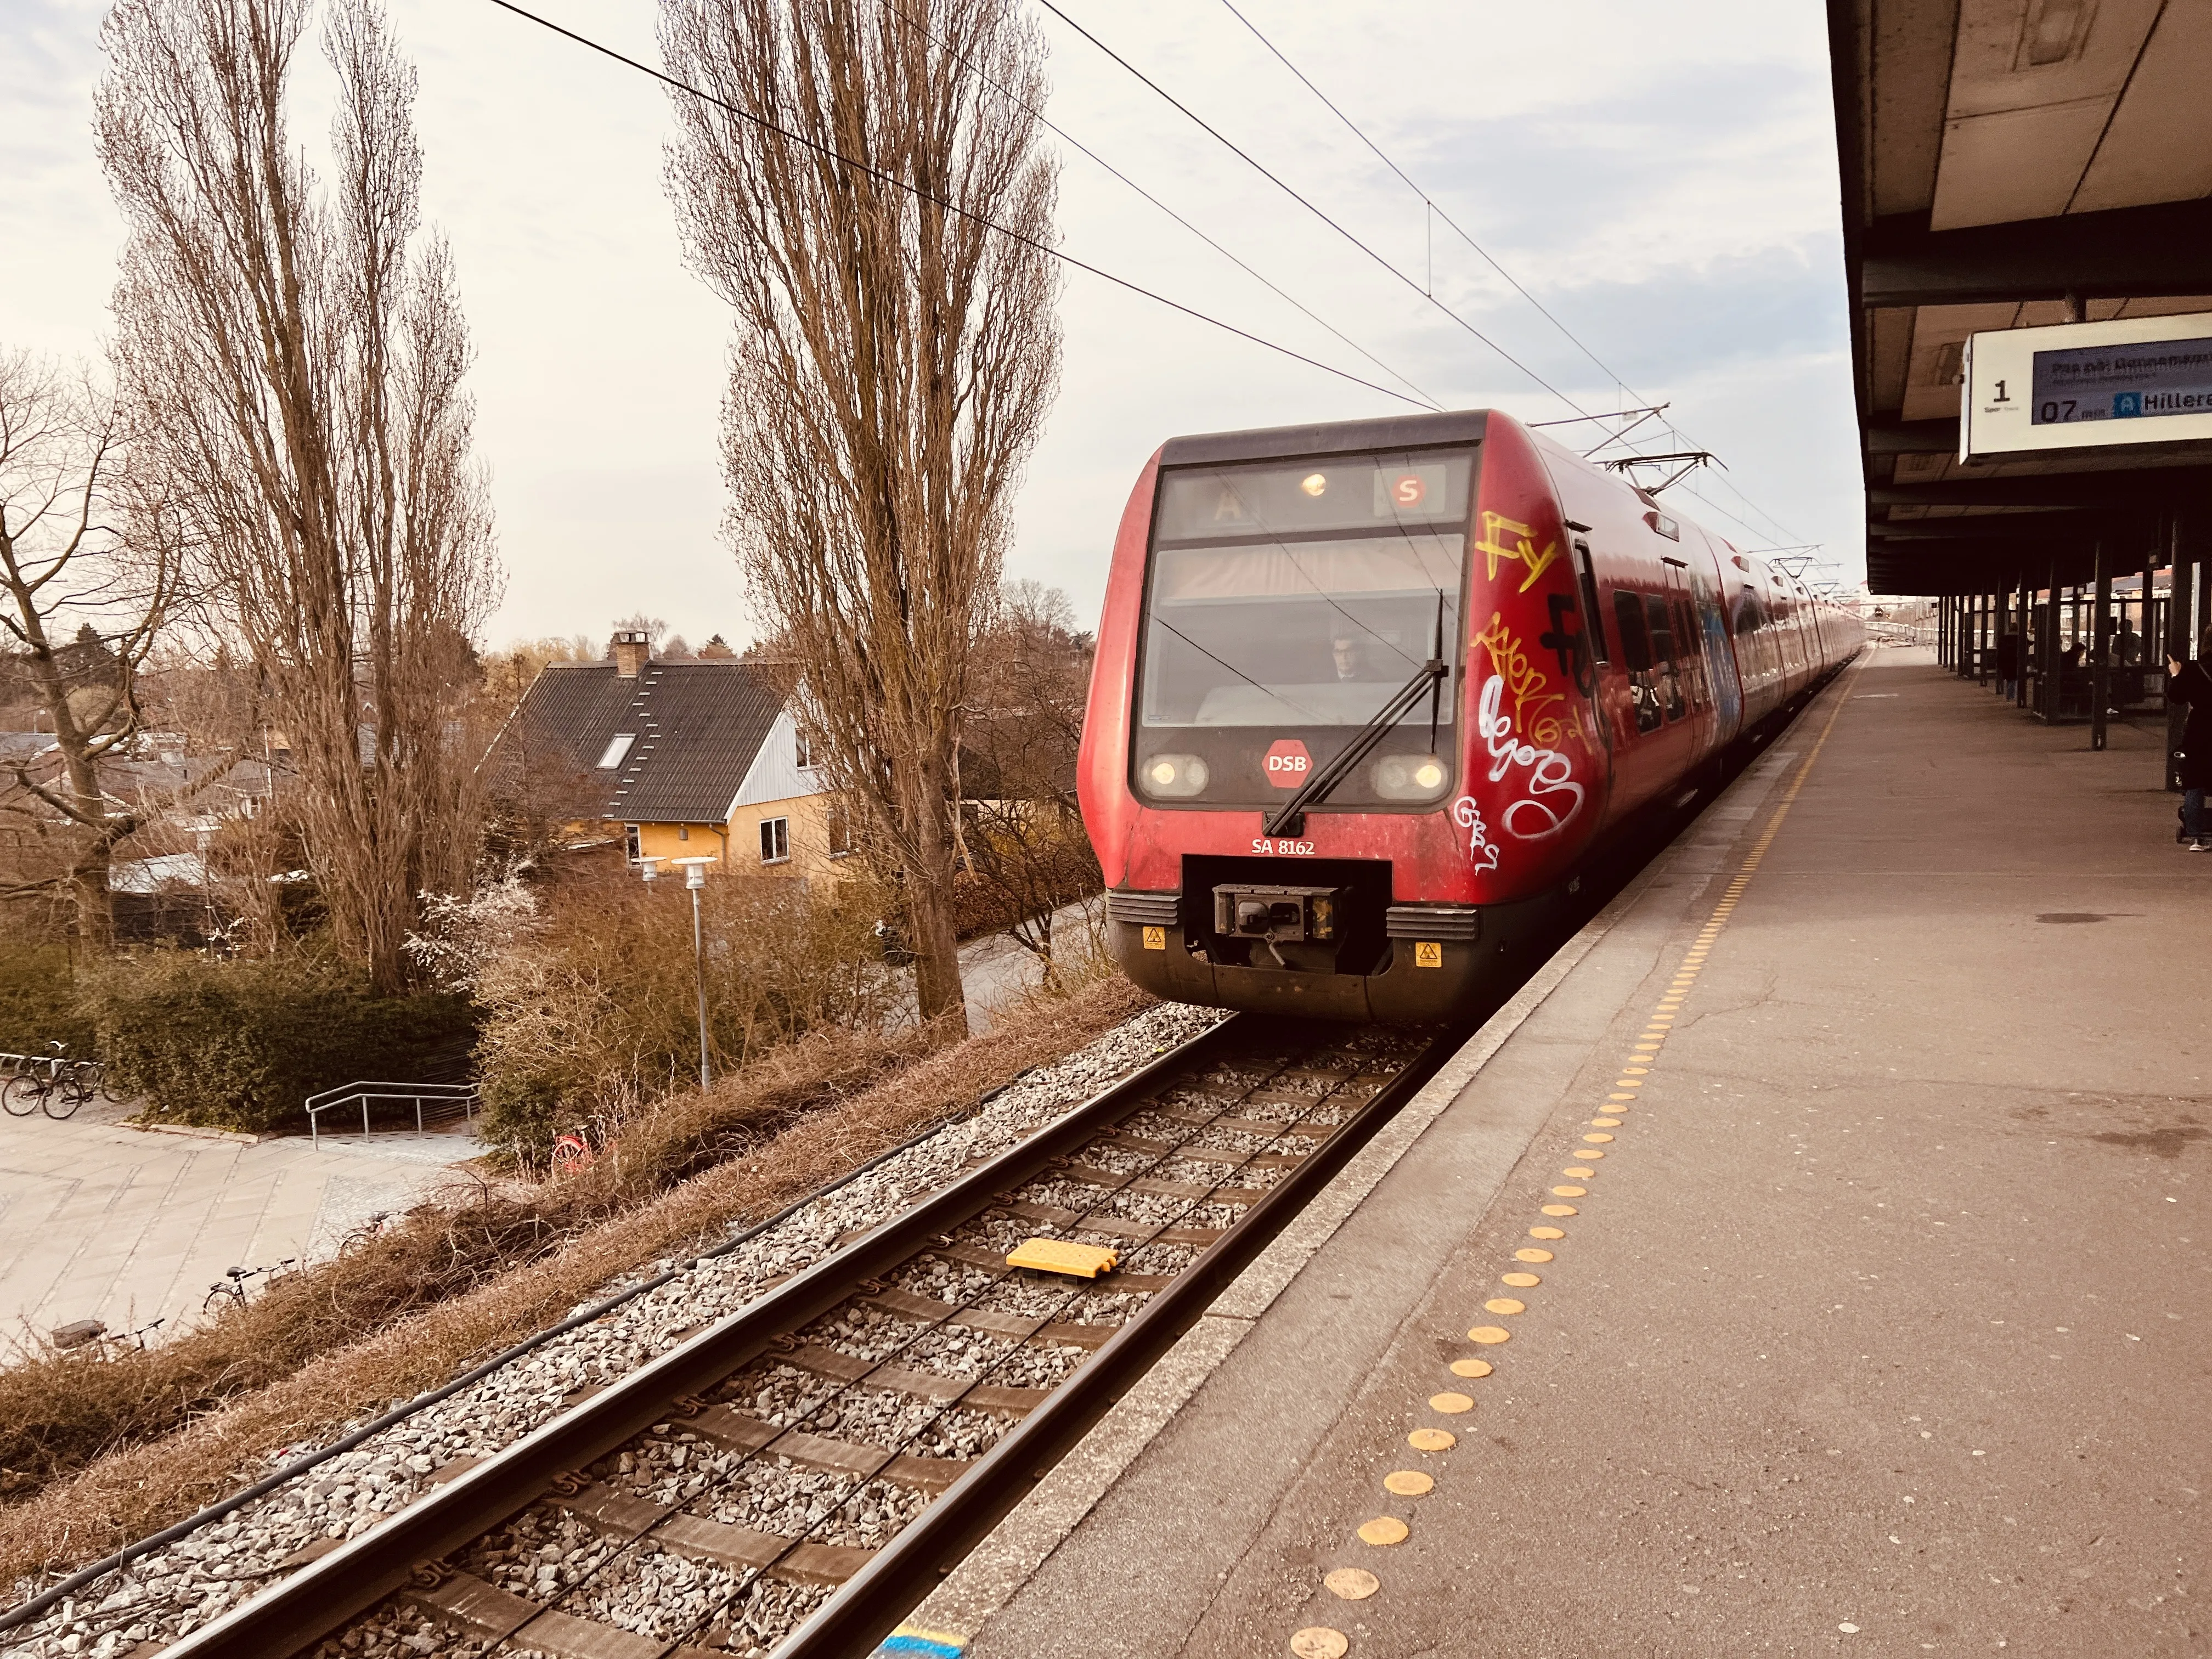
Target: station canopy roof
<point x="2012" y="164"/>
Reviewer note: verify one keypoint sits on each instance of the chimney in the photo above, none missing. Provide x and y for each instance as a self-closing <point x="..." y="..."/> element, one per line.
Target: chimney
<point x="632" y="652"/>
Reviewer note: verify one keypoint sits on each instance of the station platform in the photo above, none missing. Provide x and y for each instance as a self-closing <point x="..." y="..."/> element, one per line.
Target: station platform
<point x="1879" y="1321"/>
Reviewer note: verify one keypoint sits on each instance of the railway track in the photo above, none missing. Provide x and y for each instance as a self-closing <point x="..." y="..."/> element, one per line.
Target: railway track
<point x="795" y="1477"/>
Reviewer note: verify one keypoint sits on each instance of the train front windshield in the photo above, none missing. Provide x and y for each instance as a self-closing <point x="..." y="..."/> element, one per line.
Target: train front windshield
<point x="1293" y="599"/>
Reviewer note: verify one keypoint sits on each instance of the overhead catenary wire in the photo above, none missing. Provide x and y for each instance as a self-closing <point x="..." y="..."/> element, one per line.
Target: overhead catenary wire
<point x="1430" y="204"/>
<point x="896" y="183"/>
<point x="1084" y="149"/>
<point x="1215" y="133"/>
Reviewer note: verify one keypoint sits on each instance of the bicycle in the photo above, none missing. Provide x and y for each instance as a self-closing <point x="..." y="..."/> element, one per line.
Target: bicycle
<point x="69" y="1083"/>
<point x="231" y="1287"/>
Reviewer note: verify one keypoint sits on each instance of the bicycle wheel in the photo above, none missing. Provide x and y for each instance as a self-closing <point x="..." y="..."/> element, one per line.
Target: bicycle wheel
<point x="19" y="1099"/>
<point x="221" y="1293"/>
<point x="100" y="1082"/>
<point x="69" y="1092"/>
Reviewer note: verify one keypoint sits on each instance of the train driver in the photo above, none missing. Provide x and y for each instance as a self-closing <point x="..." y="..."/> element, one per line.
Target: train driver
<point x="1354" y="658"/>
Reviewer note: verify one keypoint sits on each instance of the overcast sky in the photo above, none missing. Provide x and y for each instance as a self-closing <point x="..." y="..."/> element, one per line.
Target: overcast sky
<point x="1662" y="177"/>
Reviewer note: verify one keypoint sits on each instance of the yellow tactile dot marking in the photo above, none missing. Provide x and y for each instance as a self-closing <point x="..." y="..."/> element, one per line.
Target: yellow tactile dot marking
<point x="1532" y="1256"/>
<point x="1504" y="1304"/>
<point x="1559" y="1209"/>
<point x="1570" y="1192"/>
<point x="1472" y="1368"/>
<point x="1450" y="1405"/>
<point x="1546" y="1232"/>
<point x="1520" y="1281"/>
<point x="1578" y="1172"/>
<point x="1432" y="1440"/>
<point x="1639" y="1069"/>
<point x="1490" y="1336"/>
<point x="1612" y="1100"/>
<point x="1352" y="1583"/>
<point x="1597" y="1140"/>
<point x="1409" y="1483"/>
<point x="1605" y="1123"/>
<point x="1384" y="1529"/>
<point x="1320" y="1642"/>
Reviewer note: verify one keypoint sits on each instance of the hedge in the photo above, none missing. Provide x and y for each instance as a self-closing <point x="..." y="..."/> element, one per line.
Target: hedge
<point x="242" y="1045"/>
<point x="38" y="1004"/>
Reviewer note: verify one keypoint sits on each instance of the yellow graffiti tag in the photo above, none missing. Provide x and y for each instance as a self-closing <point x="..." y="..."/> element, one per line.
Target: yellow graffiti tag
<point x="1495" y="524"/>
<point x="1535" y="711"/>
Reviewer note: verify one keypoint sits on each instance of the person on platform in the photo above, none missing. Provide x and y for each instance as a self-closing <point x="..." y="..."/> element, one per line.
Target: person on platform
<point x="2009" y="666"/>
<point x="2190" y="683"/>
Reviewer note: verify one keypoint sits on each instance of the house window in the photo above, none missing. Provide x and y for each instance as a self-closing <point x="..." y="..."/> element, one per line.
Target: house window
<point x="618" y="747"/>
<point x="840" y="833"/>
<point x="629" y="842"/>
<point x="805" y="748"/>
<point x="776" y="840"/>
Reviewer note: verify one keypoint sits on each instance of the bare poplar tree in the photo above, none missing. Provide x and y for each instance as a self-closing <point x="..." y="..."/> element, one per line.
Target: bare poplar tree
<point x="78" y="615"/>
<point x="296" y="361"/>
<point x="895" y="352"/>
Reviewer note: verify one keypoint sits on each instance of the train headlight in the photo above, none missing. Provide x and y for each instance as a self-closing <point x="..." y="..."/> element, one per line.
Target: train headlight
<point x="1174" y="775"/>
<point x="1410" y="777"/>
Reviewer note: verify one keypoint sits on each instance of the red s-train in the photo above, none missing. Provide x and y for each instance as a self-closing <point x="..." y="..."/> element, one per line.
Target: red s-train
<point x="1370" y="697"/>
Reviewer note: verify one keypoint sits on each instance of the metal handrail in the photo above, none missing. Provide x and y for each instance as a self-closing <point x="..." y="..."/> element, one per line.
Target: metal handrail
<point x="348" y="1093"/>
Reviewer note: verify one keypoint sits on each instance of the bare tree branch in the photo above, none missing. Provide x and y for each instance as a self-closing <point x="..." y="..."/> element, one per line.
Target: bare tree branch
<point x="893" y="363"/>
<point x="295" y="365"/>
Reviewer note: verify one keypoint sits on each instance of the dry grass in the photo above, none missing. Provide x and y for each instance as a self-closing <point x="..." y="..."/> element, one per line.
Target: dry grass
<point x="139" y="1483"/>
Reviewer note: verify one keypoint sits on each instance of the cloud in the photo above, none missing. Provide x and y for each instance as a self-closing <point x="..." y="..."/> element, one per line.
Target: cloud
<point x="1662" y="178"/>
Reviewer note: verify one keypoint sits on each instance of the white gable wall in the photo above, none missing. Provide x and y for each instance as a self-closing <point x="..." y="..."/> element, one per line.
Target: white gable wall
<point x="776" y="773"/>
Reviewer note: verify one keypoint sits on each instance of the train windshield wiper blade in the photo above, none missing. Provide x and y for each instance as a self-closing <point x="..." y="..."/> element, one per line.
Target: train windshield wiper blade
<point x="1291" y="816"/>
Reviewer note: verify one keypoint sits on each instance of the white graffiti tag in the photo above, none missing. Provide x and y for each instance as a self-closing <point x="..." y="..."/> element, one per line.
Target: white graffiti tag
<point x="1480" y="848"/>
<point x="1548" y="771"/>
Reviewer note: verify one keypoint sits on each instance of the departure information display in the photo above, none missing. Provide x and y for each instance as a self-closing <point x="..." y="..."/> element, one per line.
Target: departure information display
<point x="2123" y="382"/>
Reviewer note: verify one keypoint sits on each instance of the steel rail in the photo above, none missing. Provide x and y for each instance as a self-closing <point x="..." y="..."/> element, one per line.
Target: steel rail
<point x="327" y="1594"/>
<point x="871" y="1604"/>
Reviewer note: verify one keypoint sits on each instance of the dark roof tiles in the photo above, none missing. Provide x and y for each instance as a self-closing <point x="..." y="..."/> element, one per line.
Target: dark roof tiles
<point x="697" y="728"/>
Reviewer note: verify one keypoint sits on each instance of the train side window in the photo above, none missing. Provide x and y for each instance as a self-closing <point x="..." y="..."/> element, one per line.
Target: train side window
<point x="1635" y="643"/>
<point x="1667" y="678"/>
<point x="1636" y="654"/>
<point x="1693" y="657"/>
<point x="1590" y="603"/>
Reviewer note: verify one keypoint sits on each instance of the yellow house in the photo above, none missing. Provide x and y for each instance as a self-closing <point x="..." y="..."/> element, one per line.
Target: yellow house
<point x="682" y="759"/>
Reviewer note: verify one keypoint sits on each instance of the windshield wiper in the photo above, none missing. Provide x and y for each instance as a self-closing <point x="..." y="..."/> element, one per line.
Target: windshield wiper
<point x="1291" y="816"/>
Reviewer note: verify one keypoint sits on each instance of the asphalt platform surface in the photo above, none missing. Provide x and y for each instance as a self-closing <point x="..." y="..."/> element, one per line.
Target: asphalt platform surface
<point x="1879" y="1327"/>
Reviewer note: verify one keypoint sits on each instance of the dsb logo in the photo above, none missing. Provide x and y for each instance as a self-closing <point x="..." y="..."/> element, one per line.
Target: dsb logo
<point x="1286" y="763"/>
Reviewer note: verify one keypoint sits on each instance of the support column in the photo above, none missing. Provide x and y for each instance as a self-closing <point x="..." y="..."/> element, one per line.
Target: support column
<point x="2100" y="650"/>
<point x="2026" y="623"/>
<point x="2046" y="651"/>
<point x="2183" y="585"/>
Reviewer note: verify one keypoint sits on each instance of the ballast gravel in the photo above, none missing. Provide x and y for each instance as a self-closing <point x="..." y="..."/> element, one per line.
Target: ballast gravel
<point x="175" y="1590"/>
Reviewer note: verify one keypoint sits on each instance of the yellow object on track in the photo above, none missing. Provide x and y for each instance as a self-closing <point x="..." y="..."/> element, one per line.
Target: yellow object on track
<point x="1056" y="1255"/>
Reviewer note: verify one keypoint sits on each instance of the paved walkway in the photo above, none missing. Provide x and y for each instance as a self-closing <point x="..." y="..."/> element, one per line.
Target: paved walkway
<point x="101" y="1221"/>
<point x="1867" y="1309"/>
<point x="996" y="968"/>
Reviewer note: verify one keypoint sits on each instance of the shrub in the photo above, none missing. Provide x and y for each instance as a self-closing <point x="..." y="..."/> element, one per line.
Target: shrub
<point x="38" y="1004"/>
<point x="242" y="1045"/>
<point x="589" y="999"/>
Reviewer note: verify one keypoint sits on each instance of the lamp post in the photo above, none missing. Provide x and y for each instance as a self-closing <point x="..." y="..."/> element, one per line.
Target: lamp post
<point x="695" y="877"/>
